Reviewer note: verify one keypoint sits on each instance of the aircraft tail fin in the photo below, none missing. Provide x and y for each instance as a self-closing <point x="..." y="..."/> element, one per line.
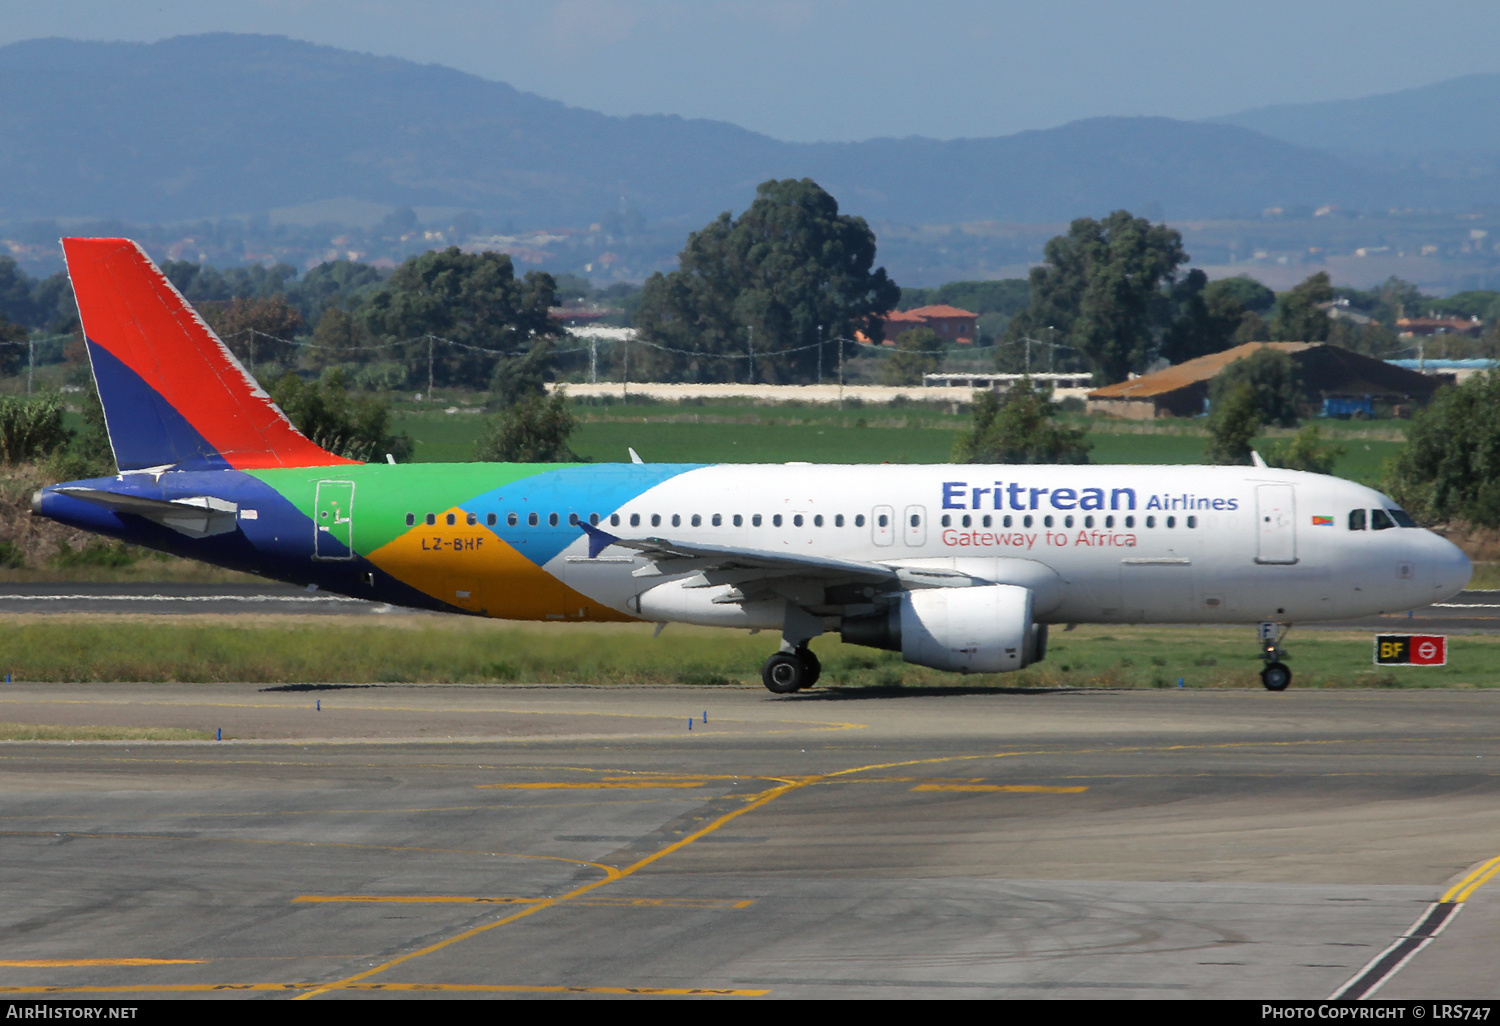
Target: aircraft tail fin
<point x="174" y="396"/>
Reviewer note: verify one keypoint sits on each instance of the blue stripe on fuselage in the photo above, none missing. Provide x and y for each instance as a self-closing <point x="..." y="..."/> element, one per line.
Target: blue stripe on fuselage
<point x="601" y="488"/>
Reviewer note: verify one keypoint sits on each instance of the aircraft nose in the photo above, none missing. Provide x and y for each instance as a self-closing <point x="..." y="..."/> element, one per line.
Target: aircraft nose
<point x="1446" y="567"/>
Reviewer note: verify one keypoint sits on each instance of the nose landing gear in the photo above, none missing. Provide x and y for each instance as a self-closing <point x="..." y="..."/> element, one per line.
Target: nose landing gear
<point x="1276" y="676"/>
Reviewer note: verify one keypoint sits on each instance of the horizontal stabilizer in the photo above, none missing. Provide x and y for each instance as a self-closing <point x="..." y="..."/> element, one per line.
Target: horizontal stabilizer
<point x="200" y="516"/>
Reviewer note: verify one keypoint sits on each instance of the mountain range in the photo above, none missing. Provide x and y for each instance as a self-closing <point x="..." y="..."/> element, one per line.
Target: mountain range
<point x="225" y="125"/>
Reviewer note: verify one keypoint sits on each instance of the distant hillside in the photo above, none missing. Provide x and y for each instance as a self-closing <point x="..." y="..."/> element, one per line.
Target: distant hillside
<point x="216" y="125"/>
<point x="1461" y="115"/>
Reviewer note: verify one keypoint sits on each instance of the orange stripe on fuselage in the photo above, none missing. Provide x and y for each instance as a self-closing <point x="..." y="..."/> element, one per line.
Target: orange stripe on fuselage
<point x="472" y="568"/>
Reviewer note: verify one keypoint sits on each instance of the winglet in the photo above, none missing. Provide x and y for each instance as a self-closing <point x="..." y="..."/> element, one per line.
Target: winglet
<point x="598" y="540"/>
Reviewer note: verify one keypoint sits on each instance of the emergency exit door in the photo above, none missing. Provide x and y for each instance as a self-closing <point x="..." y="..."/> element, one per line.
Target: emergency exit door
<point x="1276" y="524"/>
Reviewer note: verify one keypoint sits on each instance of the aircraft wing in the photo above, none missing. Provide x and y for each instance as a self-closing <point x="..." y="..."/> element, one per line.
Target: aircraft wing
<point x="197" y="517"/>
<point x="747" y="564"/>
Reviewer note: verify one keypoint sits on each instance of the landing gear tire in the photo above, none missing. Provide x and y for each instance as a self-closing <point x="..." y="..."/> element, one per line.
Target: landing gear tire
<point x="814" y="667"/>
<point x="786" y="672"/>
<point x="1276" y="676"/>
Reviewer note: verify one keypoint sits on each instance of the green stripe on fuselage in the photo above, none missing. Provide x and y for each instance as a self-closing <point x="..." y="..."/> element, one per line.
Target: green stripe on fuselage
<point x="384" y="493"/>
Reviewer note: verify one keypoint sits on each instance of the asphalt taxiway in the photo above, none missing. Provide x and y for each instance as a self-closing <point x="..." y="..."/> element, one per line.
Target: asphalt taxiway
<point x="1470" y="612"/>
<point x="531" y="841"/>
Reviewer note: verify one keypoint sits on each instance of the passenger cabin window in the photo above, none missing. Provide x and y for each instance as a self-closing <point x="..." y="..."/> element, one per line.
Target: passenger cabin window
<point x="676" y="519"/>
<point x="776" y="520"/>
<point x="1171" y="521"/>
<point x="512" y="519"/>
<point x="431" y="519"/>
<point x="1380" y="521"/>
<point x="1026" y="521"/>
<point x="916" y="520"/>
<point x="697" y="520"/>
<point x="797" y="520"/>
<point x="551" y="519"/>
<point x="859" y="520"/>
<point x="411" y="519"/>
<point x="1150" y="521"/>
<point x="594" y="519"/>
<point x="739" y="520"/>
<point x="986" y="520"/>
<point x="489" y="519"/>
<point x="884" y="520"/>
<point x="755" y="520"/>
<point x="532" y="519"/>
<point x="635" y="520"/>
<point x="947" y="521"/>
<point x="656" y="520"/>
<point x="718" y="520"/>
<point x="818" y="520"/>
<point x="452" y="519"/>
<point x="572" y="519"/>
<point x="471" y="519"/>
<point x="614" y="520"/>
<point x="1047" y="520"/>
<point x="1191" y="521"/>
<point x="1402" y="518"/>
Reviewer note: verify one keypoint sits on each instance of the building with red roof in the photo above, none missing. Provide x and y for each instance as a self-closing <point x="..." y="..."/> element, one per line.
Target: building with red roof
<point x="948" y="322"/>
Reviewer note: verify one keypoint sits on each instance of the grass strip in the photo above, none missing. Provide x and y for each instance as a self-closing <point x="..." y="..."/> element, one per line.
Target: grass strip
<point x="461" y="650"/>
<point x="53" y="732"/>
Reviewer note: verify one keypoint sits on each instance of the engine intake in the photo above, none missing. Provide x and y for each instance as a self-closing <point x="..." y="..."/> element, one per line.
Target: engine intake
<point x="986" y="629"/>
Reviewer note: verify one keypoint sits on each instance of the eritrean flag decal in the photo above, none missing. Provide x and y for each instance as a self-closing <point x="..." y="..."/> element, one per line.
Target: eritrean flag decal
<point x="1322" y="521"/>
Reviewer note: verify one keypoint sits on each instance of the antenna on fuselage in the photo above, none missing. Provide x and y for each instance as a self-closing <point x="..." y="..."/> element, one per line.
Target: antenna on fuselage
<point x="1255" y="459"/>
<point x="635" y="457"/>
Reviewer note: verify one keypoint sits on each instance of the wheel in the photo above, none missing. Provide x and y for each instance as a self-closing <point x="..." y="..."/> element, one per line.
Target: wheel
<point x="1276" y="676"/>
<point x="814" y="667"/>
<point x="784" y="673"/>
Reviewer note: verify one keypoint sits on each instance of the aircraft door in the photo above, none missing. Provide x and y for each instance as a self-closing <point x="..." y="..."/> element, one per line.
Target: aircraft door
<point x="333" y="520"/>
<point x="883" y="525"/>
<point x="914" y="525"/>
<point x="1276" y="524"/>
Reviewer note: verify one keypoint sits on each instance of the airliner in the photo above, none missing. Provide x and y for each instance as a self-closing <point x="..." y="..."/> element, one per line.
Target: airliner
<point x="958" y="567"/>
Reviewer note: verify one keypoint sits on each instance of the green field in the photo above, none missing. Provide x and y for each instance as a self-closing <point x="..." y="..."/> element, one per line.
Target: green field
<point x="746" y="433"/>
<point x="462" y="650"/>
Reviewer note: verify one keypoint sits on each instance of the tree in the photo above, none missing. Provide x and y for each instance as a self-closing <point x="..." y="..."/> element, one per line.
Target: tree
<point x="532" y="430"/>
<point x="1305" y="450"/>
<point x="789" y="273"/>
<point x="1205" y="318"/>
<point x="355" y="427"/>
<point x="917" y="353"/>
<point x="338" y="338"/>
<point x="517" y="378"/>
<point x="1273" y="378"/>
<point x="1297" y="317"/>
<point x="1450" y="467"/>
<point x="1019" y="427"/>
<point x="473" y="299"/>
<point x="256" y="330"/>
<point x="1099" y="287"/>
<point x="12" y="346"/>
<point x="1233" y="423"/>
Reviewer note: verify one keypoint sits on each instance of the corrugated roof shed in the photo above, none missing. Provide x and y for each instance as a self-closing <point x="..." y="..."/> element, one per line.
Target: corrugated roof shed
<point x="1327" y="370"/>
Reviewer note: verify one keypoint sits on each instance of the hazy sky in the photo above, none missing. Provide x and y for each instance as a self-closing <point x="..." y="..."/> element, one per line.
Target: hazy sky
<point x="855" y="69"/>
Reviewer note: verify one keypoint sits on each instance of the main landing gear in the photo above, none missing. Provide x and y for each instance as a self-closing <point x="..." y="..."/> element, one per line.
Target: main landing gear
<point x="786" y="672"/>
<point x="1276" y="676"/>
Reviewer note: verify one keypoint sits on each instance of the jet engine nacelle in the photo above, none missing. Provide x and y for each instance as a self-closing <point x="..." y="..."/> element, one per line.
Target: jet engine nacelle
<point x="987" y="629"/>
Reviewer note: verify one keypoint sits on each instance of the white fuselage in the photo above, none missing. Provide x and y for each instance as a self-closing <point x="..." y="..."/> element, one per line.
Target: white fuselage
<point x="1096" y="544"/>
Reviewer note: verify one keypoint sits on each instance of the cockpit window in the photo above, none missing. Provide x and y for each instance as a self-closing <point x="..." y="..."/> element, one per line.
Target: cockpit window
<point x="1356" y="520"/>
<point x="1402" y="518"/>
<point x="1379" y="520"/>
